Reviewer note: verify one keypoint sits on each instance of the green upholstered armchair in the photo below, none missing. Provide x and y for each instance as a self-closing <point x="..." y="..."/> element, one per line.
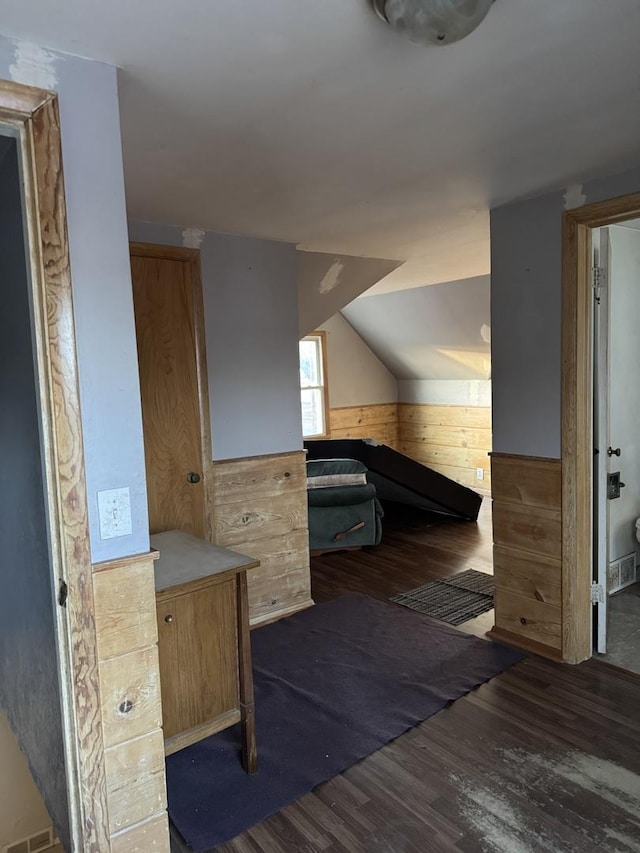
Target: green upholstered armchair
<point x="344" y="511"/>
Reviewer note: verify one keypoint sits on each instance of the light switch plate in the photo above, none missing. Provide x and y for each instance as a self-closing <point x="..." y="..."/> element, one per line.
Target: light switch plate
<point x="479" y="473"/>
<point x="114" y="511"/>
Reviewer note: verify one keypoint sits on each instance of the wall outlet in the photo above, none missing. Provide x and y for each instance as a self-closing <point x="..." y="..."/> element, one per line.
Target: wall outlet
<point x="479" y="473"/>
<point x="114" y="512"/>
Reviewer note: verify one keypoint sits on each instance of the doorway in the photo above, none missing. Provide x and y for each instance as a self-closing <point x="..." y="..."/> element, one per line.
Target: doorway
<point x="584" y="601"/>
<point x="29" y="673"/>
<point x="48" y="675"/>
<point x="616" y="474"/>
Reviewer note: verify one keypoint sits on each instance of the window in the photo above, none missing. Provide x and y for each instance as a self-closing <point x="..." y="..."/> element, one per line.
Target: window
<point x="313" y="385"/>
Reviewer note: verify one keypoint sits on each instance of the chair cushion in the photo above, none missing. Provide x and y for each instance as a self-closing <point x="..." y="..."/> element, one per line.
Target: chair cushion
<point x="324" y="467"/>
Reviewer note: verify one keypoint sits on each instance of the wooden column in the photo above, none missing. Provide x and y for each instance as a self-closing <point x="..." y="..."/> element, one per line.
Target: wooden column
<point x="527" y="549"/>
<point x="131" y="713"/>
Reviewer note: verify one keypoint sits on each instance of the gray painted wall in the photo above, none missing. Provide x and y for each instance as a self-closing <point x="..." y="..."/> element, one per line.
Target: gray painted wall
<point x="435" y="332"/>
<point x="357" y="377"/>
<point x="6" y="144"/>
<point x="103" y="304"/>
<point x="526" y="315"/>
<point x="29" y="688"/>
<point x="251" y="317"/>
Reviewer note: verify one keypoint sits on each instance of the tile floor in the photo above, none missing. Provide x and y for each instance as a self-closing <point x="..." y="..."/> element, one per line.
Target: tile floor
<point x="623" y="636"/>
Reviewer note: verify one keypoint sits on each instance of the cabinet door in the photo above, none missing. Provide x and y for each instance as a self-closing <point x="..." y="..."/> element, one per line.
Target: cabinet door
<point x="198" y="647"/>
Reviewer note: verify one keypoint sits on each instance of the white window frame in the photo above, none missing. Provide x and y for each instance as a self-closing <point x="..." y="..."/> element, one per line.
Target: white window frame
<point x="321" y="340"/>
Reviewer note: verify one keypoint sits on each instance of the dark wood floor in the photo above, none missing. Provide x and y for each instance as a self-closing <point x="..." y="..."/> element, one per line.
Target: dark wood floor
<point x="416" y="548"/>
<point x="542" y="758"/>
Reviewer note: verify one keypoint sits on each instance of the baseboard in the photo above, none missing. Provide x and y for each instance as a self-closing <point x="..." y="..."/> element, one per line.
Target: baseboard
<point x="526" y="645"/>
<point x="276" y="615"/>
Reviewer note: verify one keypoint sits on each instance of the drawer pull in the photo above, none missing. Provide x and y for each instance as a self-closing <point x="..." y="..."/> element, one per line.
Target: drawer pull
<point x="126" y="706"/>
<point x="523" y="621"/>
<point x="168" y="618"/>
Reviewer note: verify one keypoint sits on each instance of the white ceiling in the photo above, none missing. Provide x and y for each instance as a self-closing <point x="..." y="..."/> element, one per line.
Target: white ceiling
<point x="314" y="122"/>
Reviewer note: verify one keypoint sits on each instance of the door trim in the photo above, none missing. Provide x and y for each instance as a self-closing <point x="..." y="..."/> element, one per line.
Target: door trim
<point x="192" y="258"/>
<point x="33" y="113"/>
<point x="577" y="406"/>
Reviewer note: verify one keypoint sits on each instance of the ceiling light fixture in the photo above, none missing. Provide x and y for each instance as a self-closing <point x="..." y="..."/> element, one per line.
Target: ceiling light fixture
<point x="433" y="21"/>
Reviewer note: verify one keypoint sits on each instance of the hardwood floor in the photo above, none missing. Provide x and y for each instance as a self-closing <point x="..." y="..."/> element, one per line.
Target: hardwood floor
<point x="416" y="548"/>
<point x="544" y="757"/>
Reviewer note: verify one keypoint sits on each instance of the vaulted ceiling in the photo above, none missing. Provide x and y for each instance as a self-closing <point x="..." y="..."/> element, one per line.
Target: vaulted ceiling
<point x="314" y="122"/>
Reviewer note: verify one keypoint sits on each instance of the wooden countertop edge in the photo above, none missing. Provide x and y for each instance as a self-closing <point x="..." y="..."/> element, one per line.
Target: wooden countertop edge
<point x="129" y="560"/>
<point x="186" y="587"/>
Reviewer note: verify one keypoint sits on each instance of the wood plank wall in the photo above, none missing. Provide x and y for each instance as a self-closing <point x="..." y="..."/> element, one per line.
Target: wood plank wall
<point x="379" y="421"/>
<point x="453" y="440"/>
<point x="127" y="636"/>
<point x="260" y="509"/>
<point x="527" y="536"/>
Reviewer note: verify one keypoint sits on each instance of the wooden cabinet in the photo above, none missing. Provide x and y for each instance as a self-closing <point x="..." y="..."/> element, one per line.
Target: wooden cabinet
<point x="203" y="641"/>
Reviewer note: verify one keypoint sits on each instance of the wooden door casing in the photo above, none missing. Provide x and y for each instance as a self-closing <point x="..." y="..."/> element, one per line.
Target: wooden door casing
<point x="165" y="298"/>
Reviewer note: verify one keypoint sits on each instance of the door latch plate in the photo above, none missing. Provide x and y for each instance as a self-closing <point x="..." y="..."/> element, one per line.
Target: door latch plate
<point x="614" y="485"/>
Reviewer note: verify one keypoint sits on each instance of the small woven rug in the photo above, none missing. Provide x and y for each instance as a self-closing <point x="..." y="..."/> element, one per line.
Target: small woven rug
<point x="454" y="600"/>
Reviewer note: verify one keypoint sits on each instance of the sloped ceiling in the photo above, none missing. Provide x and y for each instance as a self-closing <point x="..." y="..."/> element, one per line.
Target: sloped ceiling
<point x="437" y="332"/>
<point x="326" y="283"/>
<point x="317" y="124"/>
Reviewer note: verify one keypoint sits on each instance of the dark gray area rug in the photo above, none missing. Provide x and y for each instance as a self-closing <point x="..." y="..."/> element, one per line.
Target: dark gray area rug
<point x="333" y="684"/>
<point x="454" y="600"/>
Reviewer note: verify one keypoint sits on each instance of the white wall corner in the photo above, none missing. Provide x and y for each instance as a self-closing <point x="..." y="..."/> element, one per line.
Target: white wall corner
<point x="34" y="66"/>
<point x="192" y="238"/>
<point x="574" y="196"/>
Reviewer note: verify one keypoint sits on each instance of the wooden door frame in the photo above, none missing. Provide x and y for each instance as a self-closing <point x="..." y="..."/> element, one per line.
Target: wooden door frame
<point x="33" y="115"/>
<point x="577" y="408"/>
<point x="192" y="258"/>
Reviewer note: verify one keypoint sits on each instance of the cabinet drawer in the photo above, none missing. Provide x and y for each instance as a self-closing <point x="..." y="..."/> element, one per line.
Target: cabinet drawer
<point x="198" y="648"/>
<point x="130" y="696"/>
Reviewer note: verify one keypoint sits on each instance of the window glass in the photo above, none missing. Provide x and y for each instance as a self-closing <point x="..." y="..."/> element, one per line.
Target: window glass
<point x="312" y="386"/>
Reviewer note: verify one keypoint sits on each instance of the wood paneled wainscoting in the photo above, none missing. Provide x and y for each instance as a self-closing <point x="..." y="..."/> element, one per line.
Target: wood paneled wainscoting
<point x="453" y="440"/>
<point x="527" y="550"/>
<point x="260" y="509"/>
<point x="131" y="712"/>
<point x="378" y="421"/>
